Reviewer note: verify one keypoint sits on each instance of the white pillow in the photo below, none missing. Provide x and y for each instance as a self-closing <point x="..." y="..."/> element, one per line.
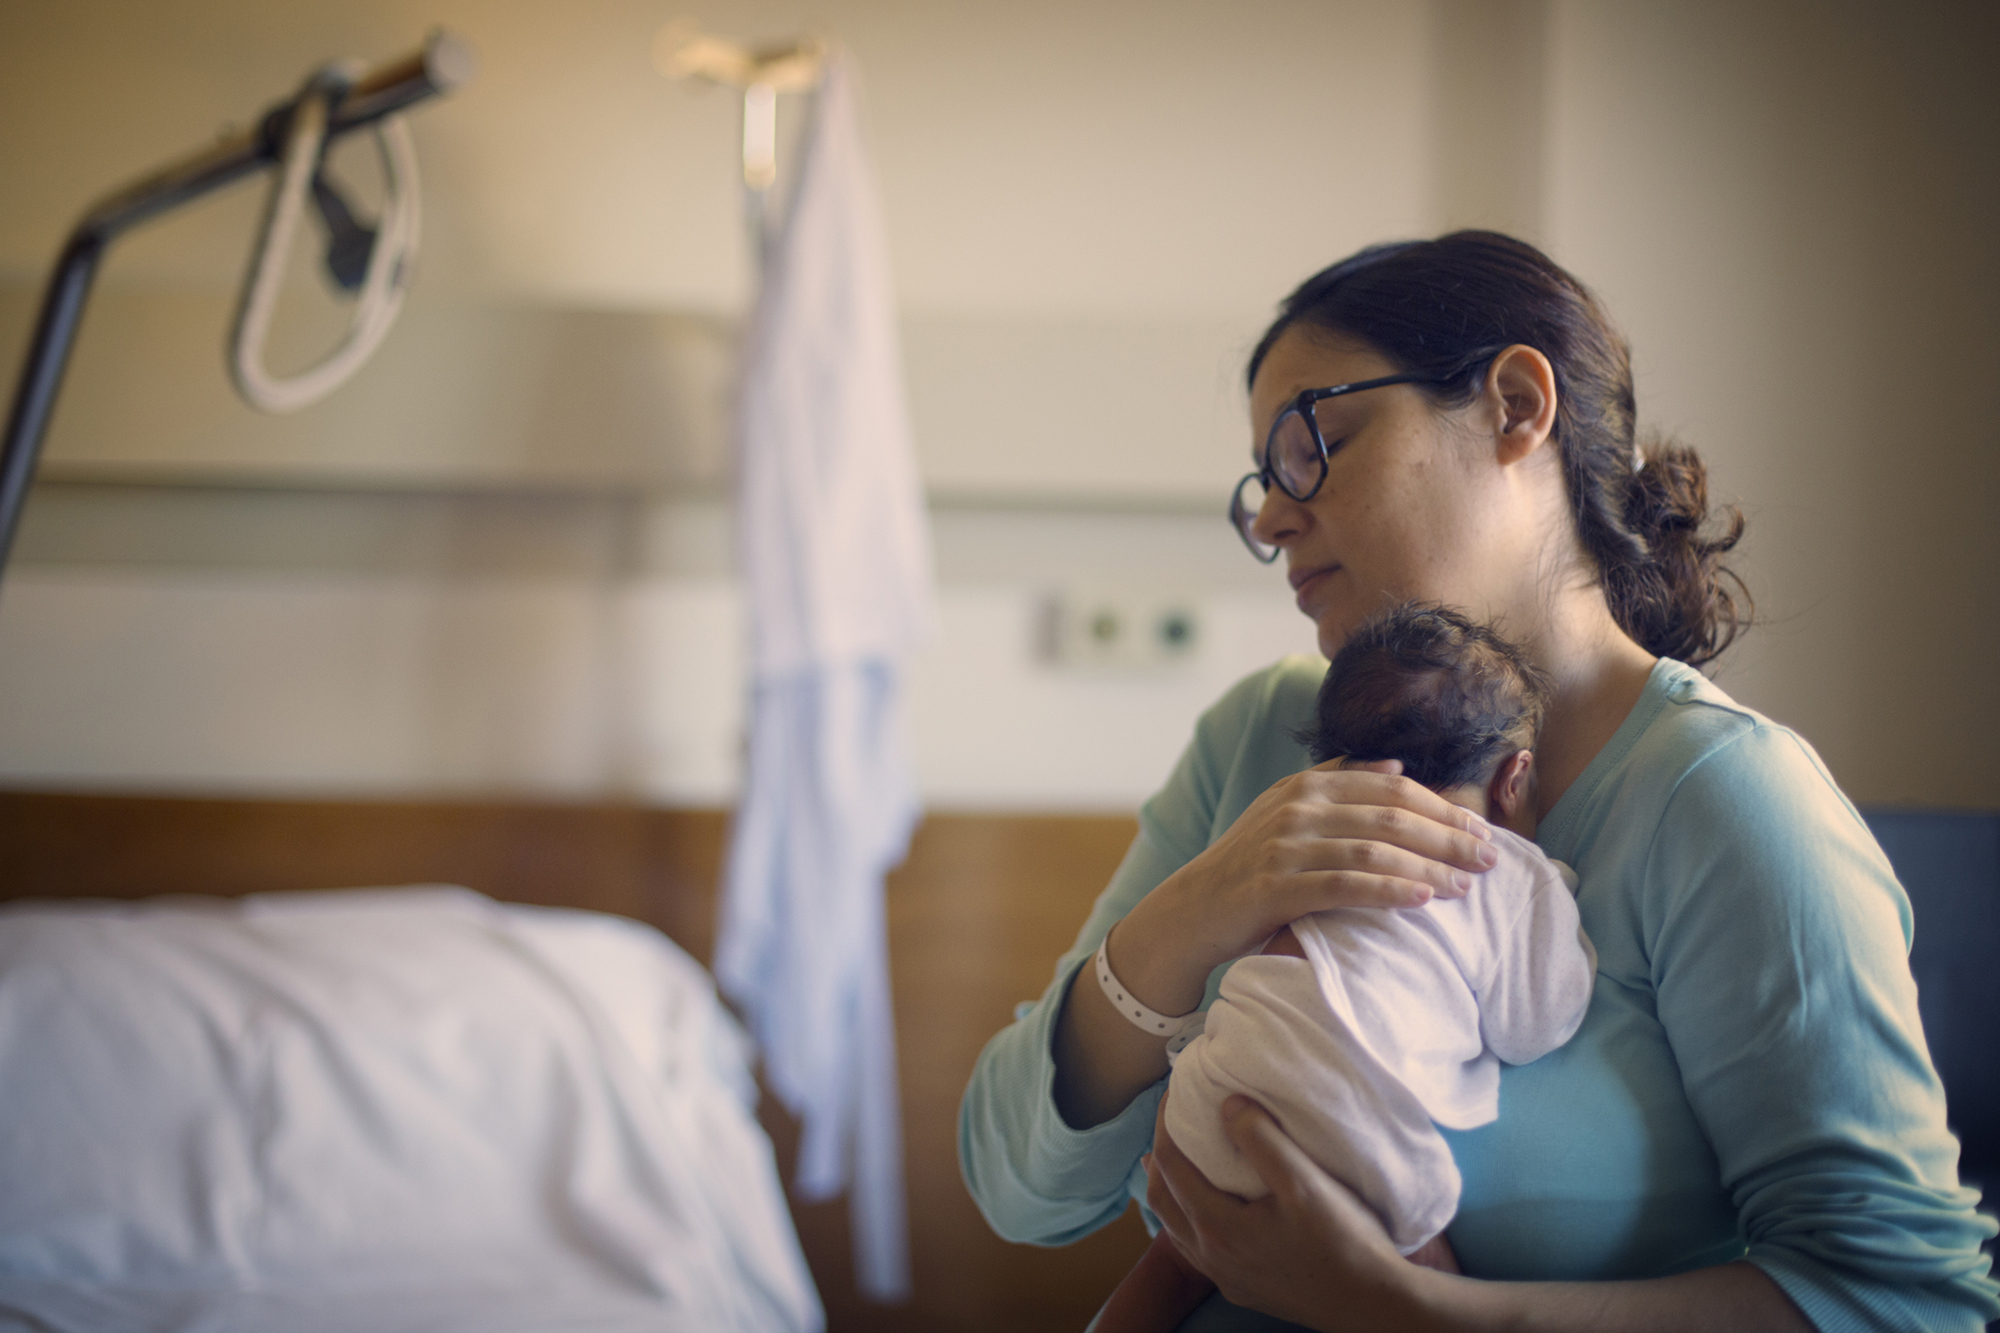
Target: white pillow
<point x="380" y="1109"/>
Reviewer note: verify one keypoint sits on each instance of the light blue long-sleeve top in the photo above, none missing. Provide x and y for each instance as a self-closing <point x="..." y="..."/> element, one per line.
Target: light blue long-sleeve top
<point x="1751" y="1079"/>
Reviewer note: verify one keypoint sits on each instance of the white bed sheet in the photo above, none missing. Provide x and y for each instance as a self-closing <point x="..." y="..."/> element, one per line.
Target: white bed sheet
<point x="409" y="1109"/>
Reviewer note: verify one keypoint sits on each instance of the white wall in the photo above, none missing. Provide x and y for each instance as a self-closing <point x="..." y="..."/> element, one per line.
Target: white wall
<point x="357" y="648"/>
<point x="494" y="561"/>
<point x="1088" y="205"/>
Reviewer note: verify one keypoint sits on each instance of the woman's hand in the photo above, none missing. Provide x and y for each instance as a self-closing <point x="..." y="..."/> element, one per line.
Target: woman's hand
<point x="1332" y="836"/>
<point x="1310" y="1251"/>
<point x="1313" y="1253"/>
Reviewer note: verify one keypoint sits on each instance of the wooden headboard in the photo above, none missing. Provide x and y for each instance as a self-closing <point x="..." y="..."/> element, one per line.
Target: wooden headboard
<point x="656" y="865"/>
<point x="977" y="917"/>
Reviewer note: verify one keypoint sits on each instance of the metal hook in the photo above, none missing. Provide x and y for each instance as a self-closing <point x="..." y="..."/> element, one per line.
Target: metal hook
<point x="384" y="273"/>
<point x="682" y="51"/>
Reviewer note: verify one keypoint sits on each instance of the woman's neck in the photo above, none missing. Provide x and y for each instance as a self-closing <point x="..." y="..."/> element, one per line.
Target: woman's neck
<point x="1599" y="674"/>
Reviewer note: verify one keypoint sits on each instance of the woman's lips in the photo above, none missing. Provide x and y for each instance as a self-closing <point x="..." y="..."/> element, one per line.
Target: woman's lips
<point x="1304" y="579"/>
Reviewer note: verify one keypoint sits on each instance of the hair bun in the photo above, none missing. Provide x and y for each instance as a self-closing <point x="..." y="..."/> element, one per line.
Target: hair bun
<point x="1685" y="603"/>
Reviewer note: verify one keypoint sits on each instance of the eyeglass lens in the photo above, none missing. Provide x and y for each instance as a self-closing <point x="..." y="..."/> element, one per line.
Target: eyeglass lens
<point x="1243" y="508"/>
<point x="1293" y="456"/>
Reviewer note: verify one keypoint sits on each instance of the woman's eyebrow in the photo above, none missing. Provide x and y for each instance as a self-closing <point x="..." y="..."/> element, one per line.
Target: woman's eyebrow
<point x="1342" y="411"/>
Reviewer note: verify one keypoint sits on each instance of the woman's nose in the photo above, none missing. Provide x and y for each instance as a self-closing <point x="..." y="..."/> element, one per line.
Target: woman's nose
<point x="1278" y="519"/>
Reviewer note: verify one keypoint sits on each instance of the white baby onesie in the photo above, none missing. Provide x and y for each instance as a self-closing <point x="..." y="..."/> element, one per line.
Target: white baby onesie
<point x="1395" y="1022"/>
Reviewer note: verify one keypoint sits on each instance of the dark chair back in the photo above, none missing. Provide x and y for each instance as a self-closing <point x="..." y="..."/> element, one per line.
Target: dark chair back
<point x="1949" y="862"/>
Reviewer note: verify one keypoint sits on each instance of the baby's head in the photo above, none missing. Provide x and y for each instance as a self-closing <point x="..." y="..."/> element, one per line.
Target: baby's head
<point x="1459" y="705"/>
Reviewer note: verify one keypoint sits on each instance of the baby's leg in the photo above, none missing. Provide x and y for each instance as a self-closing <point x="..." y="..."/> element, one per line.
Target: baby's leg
<point x="1286" y="943"/>
<point x="1162" y="1289"/>
<point x="1435" y="1253"/>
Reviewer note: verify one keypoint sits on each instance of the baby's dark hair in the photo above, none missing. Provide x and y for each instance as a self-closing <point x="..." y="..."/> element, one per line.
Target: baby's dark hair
<point x="1428" y="686"/>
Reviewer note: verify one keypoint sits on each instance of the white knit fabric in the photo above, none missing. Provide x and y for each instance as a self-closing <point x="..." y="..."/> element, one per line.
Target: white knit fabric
<point x="1395" y="1022"/>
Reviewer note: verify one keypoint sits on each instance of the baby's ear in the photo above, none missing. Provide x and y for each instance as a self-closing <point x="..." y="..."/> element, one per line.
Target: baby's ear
<point x="1513" y="785"/>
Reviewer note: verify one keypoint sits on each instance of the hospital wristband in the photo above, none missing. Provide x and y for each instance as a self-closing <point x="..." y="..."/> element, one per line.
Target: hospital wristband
<point x="1177" y="1031"/>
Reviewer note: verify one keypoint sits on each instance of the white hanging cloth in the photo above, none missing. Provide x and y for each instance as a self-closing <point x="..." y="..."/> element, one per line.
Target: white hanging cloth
<point x="836" y="559"/>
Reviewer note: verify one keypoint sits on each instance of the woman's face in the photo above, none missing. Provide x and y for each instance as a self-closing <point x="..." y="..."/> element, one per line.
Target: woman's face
<point x="1408" y="509"/>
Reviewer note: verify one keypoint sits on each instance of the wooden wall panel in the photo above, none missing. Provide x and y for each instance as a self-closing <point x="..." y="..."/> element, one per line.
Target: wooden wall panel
<point x="977" y="917"/>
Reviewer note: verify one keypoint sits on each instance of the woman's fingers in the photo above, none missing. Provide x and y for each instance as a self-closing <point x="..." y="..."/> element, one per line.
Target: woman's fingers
<point x="1387" y="808"/>
<point x="1300" y="1186"/>
<point x="1161" y="1198"/>
<point x="1352" y="872"/>
<point x="1159" y="1190"/>
<point x="1319" y="890"/>
<point x="1278" y="1162"/>
<point x="1310" y="1252"/>
<point x="1200" y="1202"/>
<point x="1328" y="837"/>
<point x="1188" y="1206"/>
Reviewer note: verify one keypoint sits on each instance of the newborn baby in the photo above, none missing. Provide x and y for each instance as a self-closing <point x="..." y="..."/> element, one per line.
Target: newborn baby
<point x="1382" y="1025"/>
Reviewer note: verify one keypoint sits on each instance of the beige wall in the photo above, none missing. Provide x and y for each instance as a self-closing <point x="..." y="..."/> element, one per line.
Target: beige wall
<point x="1088" y="205"/>
<point x="1790" y="208"/>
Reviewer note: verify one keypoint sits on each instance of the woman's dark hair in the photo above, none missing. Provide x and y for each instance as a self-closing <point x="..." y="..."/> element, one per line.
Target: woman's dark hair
<point x="1442" y="308"/>
<point x="1426" y="685"/>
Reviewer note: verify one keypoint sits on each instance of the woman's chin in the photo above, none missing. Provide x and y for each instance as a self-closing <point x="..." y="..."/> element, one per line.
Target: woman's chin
<point x="1332" y="634"/>
<point x="1338" y="621"/>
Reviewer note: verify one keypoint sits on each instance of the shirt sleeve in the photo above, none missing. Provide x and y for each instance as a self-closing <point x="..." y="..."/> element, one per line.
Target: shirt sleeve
<point x="1778" y="940"/>
<point x="1035" y="1178"/>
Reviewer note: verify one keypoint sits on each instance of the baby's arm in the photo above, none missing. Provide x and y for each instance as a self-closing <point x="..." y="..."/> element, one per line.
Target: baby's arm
<point x="1544" y="972"/>
<point x="1243" y="1048"/>
<point x="1162" y="1289"/>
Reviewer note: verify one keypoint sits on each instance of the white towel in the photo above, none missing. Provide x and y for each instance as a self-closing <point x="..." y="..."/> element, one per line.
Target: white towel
<point x="836" y="558"/>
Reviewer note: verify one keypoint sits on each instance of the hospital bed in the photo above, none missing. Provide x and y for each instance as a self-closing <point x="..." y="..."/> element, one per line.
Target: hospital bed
<point x="398" y="1108"/>
<point x="976" y="916"/>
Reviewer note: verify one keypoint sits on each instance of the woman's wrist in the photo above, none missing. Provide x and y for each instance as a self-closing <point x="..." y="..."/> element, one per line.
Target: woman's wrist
<point x="1427" y="1299"/>
<point x="1148" y="951"/>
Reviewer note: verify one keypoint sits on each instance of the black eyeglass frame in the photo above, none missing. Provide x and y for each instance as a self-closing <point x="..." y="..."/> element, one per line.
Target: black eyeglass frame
<point x="1302" y="406"/>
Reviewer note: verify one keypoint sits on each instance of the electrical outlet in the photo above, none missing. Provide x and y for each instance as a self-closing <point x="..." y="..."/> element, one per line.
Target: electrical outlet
<point x="1119" y="629"/>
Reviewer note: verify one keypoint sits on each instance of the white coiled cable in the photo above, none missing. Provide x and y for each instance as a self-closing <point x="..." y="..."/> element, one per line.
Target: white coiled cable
<point x="390" y="263"/>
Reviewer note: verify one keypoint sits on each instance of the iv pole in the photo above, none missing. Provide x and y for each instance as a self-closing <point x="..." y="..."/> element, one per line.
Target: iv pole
<point x="443" y="64"/>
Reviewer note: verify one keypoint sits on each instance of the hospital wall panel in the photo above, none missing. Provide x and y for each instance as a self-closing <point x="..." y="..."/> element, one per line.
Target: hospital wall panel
<point x="383" y="655"/>
<point x="512" y="394"/>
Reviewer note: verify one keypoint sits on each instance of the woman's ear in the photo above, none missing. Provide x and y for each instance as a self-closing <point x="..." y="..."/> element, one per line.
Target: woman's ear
<point x="1521" y="390"/>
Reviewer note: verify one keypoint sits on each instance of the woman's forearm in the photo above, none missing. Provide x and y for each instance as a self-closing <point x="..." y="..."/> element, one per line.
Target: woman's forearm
<point x="1102" y="1060"/>
<point x="1312" y="1252"/>
<point x="1709" y="1300"/>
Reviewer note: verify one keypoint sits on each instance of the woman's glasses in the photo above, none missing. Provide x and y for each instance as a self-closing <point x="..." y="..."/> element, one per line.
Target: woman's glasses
<point x="1295" y="455"/>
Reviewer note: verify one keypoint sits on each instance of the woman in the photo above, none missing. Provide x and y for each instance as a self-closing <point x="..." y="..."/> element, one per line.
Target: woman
<point x="1746" y="1132"/>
